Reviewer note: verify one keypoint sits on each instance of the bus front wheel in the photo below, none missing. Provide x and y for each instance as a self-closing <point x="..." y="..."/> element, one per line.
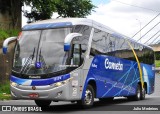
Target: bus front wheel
<point x="88" y="99"/>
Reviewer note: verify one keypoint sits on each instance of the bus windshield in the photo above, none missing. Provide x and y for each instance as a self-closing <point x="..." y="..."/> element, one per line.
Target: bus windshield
<point x="41" y="51"/>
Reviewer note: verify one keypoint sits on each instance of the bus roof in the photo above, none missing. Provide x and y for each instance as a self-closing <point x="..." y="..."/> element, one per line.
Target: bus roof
<point x="66" y="22"/>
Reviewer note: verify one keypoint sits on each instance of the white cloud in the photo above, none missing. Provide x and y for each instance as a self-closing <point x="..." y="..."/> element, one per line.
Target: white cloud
<point x="127" y="19"/>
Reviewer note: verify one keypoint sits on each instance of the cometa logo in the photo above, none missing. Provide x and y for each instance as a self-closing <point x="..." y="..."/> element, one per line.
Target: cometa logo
<point x="113" y="65"/>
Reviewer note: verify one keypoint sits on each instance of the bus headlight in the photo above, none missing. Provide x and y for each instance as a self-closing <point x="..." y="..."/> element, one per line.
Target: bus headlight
<point x="58" y="84"/>
<point x="13" y="84"/>
<point x="61" y="83"/>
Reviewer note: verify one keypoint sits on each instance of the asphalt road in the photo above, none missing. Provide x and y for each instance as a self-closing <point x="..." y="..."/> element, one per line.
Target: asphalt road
<point x="113" y="107"/>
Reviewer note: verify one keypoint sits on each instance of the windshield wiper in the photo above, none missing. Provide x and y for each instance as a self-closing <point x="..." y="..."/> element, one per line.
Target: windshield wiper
<point x="41" y="59"/>
<point x="27" y="62"/>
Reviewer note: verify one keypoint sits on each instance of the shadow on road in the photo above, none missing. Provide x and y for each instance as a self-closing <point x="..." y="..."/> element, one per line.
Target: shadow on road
<point x="98" y="106"/>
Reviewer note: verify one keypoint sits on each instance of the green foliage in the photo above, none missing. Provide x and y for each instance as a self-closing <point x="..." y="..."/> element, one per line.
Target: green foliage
<point x="157" y="63"/>
<point x="157" y="55"/>
<point x="8" y="33"/>
<point x="5" y="88"/>
<point x="43" y="9"/>
<point x="5" y="96"/>
<point x="3" y="35"/>
<point x="72" y="8"/>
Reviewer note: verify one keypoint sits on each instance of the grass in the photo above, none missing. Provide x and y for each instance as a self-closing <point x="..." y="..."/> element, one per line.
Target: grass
<point x="5" y="96"/>
<point x="5" y="91"/>
<point x="157" y="63"/>
<point x="8" y="33"/>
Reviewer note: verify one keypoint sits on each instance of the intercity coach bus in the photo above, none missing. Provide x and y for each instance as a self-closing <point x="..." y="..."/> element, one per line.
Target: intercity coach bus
<point x="77" y="60"/>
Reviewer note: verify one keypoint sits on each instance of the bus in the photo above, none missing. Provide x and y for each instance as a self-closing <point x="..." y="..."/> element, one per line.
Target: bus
<point x="78" y="60"/>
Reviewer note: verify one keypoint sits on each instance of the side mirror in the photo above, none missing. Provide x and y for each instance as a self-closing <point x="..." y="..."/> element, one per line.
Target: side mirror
<point x="68" y="39"/>
<point x="6" y="42"/>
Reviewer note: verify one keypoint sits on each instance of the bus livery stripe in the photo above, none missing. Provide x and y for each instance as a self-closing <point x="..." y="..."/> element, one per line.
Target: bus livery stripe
<point x="39" y="82"/>
<point x="139" y="66"/>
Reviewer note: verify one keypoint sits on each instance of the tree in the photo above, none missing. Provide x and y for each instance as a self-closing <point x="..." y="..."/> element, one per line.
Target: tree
<point x="72" y="8"/>
<point x="43" y="9"/>
<point x="11" y="11"/>
<point x="40" y="9"/>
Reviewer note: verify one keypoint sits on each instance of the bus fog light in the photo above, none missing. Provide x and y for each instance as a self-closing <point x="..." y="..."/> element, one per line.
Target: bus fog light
<point x="59" y="93"/>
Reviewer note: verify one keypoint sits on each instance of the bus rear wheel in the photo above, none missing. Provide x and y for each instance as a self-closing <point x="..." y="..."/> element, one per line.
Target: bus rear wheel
<point x="143" y="93"/>
<point x="43" y="103"/>
<point x="137" y="96"/>
<point x="88" y="99"/>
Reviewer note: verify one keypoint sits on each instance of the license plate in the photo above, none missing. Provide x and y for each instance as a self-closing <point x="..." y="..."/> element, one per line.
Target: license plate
<point x="33" y="95"/>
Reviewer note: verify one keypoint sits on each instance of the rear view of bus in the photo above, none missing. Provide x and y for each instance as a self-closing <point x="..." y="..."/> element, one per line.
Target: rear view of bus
<point x="62" y="60"/>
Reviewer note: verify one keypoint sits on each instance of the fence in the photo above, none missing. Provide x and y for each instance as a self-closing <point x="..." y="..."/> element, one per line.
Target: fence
<point x="6" y="63"/>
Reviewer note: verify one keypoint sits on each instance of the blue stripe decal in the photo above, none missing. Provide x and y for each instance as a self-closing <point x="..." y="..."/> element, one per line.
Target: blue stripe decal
<point x="47" y="26"/>
<point x="135" y="75"/>
<point x="126" y="74"/>
<point x="18" y="80"/>
<point x="39" y="82"/>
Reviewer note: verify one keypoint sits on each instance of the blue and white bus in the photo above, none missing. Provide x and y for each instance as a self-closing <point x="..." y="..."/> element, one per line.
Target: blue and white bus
<point x="77" y="59"/>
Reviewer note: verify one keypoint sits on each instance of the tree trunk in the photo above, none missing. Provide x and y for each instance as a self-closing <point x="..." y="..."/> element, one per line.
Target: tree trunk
<point x="10" y="14"/>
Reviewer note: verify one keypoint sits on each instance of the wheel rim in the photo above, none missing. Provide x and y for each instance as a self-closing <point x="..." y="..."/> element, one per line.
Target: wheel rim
<point x="138" y="94"/>
<point x="143" y="93"/>
<point x="88" y="97"/>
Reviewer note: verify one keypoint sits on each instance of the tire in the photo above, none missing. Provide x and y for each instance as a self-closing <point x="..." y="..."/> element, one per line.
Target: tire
<point x="88" y="100"/>
<point x="143" y="94"/>
<point x="43" y="103"/>
<point x="110" y="99"/>
<point x="136" y="97"/>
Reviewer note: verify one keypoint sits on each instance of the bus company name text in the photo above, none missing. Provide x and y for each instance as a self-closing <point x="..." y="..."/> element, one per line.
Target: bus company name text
<point x="113" y="65"/>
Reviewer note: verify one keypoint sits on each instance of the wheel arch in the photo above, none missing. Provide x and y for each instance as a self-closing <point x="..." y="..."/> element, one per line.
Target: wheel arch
<point x="93" y="84"/>
<point x="145" y="86"/>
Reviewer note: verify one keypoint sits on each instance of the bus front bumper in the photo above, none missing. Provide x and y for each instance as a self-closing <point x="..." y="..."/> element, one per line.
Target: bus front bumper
<point x="48" y="92"/>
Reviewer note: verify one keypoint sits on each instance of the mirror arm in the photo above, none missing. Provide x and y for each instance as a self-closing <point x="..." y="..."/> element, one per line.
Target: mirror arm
<point x="6" y="42"/>
<point x="68" y="39"/>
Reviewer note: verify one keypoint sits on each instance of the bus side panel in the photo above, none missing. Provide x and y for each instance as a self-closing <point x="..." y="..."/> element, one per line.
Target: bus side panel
<point x="113" y="81"/>
<point x="149" y="77"/>
<point x="125" y="78"/>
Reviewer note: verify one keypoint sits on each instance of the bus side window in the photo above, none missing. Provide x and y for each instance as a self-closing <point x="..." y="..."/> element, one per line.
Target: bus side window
<point x="98" y="43"/>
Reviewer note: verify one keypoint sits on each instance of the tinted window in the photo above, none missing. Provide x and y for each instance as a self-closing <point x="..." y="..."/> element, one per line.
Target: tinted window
<point x="98" y="45"/>
<point x="107" y="44"/>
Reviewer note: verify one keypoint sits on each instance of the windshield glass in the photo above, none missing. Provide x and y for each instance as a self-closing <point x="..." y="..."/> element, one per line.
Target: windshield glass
<point x="41" y="51"/>
<point x="52" y="49"/>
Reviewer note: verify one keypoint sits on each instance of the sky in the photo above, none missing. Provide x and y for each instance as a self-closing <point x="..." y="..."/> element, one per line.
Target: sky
<point x="127" y="17"/>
